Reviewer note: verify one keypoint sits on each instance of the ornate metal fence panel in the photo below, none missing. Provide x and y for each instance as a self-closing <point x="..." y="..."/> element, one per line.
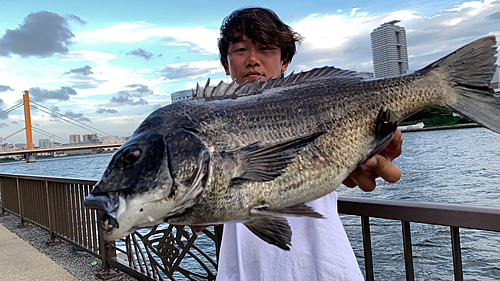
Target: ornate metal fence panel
<point x="169" y="252"/>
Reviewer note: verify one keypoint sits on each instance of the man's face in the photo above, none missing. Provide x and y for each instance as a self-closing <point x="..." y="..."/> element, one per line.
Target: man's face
<point x="247" y="59"/>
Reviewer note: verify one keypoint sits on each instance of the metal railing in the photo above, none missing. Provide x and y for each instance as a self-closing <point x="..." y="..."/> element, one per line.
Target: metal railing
<point x="171" y="252"/>
<point x="56" y="204"/>
<point x="453" y="215"/>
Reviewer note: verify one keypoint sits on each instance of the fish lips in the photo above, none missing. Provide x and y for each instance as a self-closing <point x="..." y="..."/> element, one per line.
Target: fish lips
<point x="108" y="203"/>
<point x="105" y="202"/>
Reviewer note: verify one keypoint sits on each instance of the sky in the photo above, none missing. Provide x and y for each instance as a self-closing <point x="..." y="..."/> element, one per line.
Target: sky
<point x="109" y="64"/>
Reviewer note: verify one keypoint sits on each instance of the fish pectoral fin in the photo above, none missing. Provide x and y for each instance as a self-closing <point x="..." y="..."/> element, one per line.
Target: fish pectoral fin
<point x="273" y="230"/>
<point x="384" y="131"/>
<point x="300" y="210"/>
<point x="265" y="162"/>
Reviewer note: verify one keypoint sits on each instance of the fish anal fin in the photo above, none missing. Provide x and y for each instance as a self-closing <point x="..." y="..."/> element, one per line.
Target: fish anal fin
<point x="300" y="210"/>
<point x="265" y="162"/>
<point x="384" y="131"/>
<point x="273" y="230"/>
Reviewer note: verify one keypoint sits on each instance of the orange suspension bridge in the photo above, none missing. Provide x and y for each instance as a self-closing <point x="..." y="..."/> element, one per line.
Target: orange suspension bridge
<point x="30" y="150"/>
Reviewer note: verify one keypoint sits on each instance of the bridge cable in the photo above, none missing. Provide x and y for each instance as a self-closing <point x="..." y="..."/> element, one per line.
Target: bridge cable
<point x="13" y="134"/>
<point x="14" y="107"/>
<point x="104" y="133"/>
<point x="38" y="130"/>
<point x="82" y="125"/>
<point x="77" y="123"/>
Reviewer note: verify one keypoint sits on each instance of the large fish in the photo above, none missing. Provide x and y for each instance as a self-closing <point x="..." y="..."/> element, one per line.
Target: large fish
<point x="257" y="155"/>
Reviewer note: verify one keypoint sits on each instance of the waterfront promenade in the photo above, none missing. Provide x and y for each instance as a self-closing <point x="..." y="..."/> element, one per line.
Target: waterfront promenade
<point x="25" y="255"/>
<point x="21" y="261"/>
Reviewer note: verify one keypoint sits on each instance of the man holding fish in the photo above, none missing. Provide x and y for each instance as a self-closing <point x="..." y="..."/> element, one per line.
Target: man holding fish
<point x="256" y="44"/>
<point x="260" y="153"/>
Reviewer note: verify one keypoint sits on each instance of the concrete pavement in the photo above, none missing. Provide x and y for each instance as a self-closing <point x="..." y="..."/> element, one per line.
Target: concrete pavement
<point x="20" y="261"/>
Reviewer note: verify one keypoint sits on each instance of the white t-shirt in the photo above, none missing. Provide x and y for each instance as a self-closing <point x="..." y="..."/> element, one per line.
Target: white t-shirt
<point x="320" y="250"/>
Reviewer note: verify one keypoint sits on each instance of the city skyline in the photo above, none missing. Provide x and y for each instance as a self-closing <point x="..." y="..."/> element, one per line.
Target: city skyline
<point x="111" y="70"/>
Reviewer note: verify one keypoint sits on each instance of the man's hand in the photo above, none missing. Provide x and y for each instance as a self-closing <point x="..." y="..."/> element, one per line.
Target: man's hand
<point x="378" y="166"/>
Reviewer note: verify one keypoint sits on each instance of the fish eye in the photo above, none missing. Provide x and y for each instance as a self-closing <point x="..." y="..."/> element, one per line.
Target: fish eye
<point x="130" y="156"/>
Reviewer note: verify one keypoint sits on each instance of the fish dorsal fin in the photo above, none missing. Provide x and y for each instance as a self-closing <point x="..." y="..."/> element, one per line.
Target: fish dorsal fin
<point x="265" y="162"/>
<point x="224" y="89"/>
<point x="274" y="230"/>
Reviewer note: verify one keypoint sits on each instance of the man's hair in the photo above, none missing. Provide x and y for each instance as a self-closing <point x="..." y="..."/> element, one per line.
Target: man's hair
<point x="262" y="25"/>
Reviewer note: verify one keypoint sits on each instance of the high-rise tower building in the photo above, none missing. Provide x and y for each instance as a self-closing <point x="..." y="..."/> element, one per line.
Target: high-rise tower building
<point x="43" y="143"/>
<point x="390" y="54"/>
<point x="74" y="138"/>
<point x="92" y="138"/>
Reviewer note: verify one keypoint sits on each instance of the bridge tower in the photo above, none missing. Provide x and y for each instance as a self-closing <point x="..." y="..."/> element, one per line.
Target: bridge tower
<point x="27" y="121"/>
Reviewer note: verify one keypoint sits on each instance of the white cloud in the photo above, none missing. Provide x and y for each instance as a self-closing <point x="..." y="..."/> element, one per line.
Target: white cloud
<point x="178" y="44"/>
<point x="340" y="29"/>
<point x="85" y="55"/>
<point x="353" y="11"/>
<point x="345" y="41"/>
<point x="205" y="38"/>
<point x="191" y="70"/>
<point x="313" y="29"/>
<point x="468" y="10"/>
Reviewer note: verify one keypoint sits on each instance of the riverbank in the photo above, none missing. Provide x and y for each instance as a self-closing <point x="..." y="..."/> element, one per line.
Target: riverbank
<point x="458" y="126"/>
<point x="80" y="264"/>
<point x="7" y="159"/>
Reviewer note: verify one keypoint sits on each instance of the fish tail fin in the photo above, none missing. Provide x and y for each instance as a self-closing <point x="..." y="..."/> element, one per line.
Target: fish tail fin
<point x="471" y="68"/>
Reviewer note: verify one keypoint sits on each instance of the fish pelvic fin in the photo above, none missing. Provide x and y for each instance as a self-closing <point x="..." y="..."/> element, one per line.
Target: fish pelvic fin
<point x="471" y="68"/>
<point x="273" y="230"/>
<point x="384" y="131"/>
<point x="300" y="210"/>
<point x="265" y="162"/>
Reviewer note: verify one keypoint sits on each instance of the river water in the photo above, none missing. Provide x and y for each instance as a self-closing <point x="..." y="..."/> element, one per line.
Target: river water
<point x="449" y="166"/>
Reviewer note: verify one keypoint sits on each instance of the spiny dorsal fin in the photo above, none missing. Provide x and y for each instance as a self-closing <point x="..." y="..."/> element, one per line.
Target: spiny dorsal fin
<point x="265" y="162"/>
<point x="245" y="88"/>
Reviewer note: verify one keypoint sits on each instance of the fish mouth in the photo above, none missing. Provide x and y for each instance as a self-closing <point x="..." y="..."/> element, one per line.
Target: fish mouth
<point x="105" y="202"/>
<point x="108" y="223"/>
<point x="109" y="204"/>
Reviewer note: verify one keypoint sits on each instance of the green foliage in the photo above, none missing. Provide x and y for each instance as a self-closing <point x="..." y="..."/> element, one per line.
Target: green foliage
<point x="7" y="159"/>
<point x="427" y="114"/>
<point x="435" y="117"/>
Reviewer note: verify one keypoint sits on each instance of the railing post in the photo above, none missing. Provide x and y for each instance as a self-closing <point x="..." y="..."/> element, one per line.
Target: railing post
<point x="53" y="239"/>
<point x="457" y="254"/>
<point x="23" y="223"/>
<point x="2" y="197"/>
<point x="367" y="247"/>
<point x="48" y="211"/>
<point x="107" y="272"/>
<point x="410" y="275"/>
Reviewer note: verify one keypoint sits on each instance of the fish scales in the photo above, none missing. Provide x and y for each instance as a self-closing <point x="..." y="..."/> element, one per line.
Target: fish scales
<point x="257" y="157"/>
<point x="350" y="130"/>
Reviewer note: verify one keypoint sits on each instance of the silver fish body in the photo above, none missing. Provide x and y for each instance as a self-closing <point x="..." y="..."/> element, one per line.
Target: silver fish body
<point x="259" y="154"/>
